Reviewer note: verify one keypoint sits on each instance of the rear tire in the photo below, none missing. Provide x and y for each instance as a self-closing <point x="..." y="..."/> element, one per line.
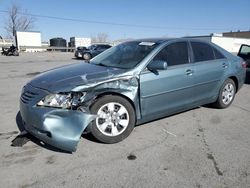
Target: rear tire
<point x="116" y="119"/>
<point x="226" y="95"/>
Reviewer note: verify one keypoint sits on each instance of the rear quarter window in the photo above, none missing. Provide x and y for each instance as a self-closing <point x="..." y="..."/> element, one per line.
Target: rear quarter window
<point x="218" y="54"/>
<point x="202" y="51"/>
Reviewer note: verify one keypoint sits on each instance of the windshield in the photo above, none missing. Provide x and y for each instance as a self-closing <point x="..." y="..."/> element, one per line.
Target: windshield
<point x="126" y="55"/>
<point x="91" y="47"/>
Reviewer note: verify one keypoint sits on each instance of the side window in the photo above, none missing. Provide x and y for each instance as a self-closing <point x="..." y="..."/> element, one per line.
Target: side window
<point x="174" y="54"/>
<point x="92" y="47"/>
<point x="99" y="47"/>
<point x="202" y="51"/>
<point x="106" y="47"/>
<point x="218" y="54"/>
<point x="102" y="47"/>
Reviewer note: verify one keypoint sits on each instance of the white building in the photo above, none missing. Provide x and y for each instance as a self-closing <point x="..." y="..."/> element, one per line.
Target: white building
<point x="231" y="44"/>
<point x="76" y="41"/>
<point x="29" y="40"/>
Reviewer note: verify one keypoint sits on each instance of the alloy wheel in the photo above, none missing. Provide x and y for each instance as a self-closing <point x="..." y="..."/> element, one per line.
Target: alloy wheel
<point x="113" y="119"/>
<point x="228" y="93"/>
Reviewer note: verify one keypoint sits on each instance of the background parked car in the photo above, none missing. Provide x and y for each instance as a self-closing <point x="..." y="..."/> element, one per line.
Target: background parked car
<point x="78" y="52"/>
<point x="12" y="50"/>
<point x="93" y="51"/>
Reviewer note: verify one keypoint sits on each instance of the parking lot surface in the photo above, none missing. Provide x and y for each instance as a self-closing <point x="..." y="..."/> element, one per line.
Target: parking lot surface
<point x="202" y="147"/>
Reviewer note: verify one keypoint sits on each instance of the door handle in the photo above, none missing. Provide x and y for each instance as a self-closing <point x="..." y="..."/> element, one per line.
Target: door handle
<point x="224" y="65"/>
<point x="189" y="72"/>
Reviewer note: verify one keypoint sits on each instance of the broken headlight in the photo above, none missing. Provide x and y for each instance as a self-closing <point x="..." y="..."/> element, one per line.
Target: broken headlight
<point x="62" y="100"/>
<point x="56" y="100"/>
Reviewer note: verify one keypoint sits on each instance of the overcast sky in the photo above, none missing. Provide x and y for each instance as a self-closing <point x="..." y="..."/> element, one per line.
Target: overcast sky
<point x="133" y="18"/>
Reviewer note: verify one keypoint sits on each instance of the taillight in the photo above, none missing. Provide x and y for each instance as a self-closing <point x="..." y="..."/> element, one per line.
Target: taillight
<point x="244" y="64"/>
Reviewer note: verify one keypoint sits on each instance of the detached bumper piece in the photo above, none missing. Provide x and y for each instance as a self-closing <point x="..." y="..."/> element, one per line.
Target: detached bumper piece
<point x="60" y="128"/>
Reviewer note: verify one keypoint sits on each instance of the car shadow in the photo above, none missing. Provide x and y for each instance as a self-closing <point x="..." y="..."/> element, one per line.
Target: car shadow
<point x="211" y="105"/>
<point x="90" y="137"/>
<point x="18" y="141"/>
<point x="74" y="58"/>
<point x="80" y="59"/>
<point x="165" y="117"/>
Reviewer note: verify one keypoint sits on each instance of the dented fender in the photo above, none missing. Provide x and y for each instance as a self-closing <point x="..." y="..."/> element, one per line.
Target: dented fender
<point x="127" y="86"/>
<point x="62" y="128"/>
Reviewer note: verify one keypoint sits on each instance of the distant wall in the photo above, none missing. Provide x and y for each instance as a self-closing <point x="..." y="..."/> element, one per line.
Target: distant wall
<point x="239" y="34"/>
<point x="76" y="42"/>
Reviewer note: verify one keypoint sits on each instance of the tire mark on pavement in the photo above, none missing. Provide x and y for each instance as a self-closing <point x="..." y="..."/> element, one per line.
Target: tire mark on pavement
<point x="51" y="159"/>
<point x="244" y="109"/>
<point x="209" y="152"/>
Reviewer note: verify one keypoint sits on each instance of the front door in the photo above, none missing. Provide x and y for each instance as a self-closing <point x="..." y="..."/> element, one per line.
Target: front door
<point x="168" y="90"/>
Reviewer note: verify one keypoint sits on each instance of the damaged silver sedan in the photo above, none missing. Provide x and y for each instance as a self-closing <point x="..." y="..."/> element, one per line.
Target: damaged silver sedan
<point x="129" y="84"/>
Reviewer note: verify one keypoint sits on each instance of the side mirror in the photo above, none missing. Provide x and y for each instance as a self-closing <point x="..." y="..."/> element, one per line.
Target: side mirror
<point x="157" y="65"/>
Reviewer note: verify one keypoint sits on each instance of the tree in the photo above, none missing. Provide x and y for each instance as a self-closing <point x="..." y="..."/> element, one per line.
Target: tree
<point x="100" y="38"/>
<point x="18" y="20"/>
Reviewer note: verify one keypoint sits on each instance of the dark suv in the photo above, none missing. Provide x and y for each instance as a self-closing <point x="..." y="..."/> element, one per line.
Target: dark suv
<point x="93" y="51"/>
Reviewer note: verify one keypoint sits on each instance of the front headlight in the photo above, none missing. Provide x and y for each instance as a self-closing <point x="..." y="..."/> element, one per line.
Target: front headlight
<point x="56" y="100"/>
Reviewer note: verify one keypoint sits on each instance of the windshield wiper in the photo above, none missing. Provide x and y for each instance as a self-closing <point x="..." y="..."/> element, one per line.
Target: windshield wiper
<point x="104" y="65"/>
<point x="101" y="64"/>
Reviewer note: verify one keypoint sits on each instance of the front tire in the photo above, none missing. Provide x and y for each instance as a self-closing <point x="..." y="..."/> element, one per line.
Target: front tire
<point x="86" y="56"/>
<point x="115" y="121"/>
<point x="226" y="95"/>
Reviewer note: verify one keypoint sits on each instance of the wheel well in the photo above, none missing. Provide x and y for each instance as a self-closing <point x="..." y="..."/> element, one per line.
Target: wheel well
<point x="87" y="53"/>
<point x="117" y="94"/>
<point x="235" y="81"/>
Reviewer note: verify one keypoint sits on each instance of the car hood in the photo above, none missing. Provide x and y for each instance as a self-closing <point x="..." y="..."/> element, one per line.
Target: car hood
<point x="66" y="78"/>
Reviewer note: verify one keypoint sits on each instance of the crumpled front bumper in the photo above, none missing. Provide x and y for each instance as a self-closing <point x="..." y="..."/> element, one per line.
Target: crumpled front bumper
<point x="60" y="128"/>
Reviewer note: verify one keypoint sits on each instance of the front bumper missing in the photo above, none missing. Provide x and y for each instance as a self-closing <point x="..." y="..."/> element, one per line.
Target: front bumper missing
<point x="60" y="128"/>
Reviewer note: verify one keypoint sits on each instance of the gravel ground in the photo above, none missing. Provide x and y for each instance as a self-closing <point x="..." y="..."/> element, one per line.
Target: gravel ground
<point x="203" y="147"/>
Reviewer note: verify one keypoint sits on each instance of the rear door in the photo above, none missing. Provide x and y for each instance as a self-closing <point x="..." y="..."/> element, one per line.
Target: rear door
<point x="168" y="90"/>
<point x="210" y="67"/>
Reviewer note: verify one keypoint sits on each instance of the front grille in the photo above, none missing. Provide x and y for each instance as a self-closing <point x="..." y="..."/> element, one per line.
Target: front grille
<point x="28" y="96"/>
<point x="31" y="95"/>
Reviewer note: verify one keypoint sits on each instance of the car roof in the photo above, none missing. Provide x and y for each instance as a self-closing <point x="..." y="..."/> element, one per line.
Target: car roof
<point x="154" y="40"/>
<point x="96" y="44"/>
<point x="162" y="40"/>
